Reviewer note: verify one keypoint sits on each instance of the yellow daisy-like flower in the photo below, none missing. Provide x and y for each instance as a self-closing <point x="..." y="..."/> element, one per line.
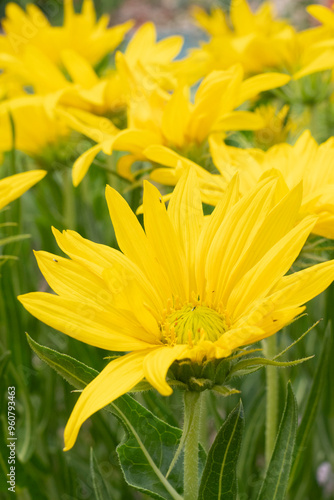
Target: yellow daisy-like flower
<point x="305" y="161"/>
<point x="259" y="42"/>
<point x="158" y="118"/>
<point x="34" y="127"/>
<point x="80" y="32"/>
<point x="188" y="288"/>
<point x="14" y="186"/>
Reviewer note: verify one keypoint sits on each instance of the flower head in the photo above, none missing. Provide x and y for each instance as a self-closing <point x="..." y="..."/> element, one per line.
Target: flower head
<point x="80" y="32"/>
<point x="187" y="288"/>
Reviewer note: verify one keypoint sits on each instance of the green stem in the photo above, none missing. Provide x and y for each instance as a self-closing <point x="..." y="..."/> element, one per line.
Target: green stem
<point x="192" y="411"/>
<point x="69" y="200"/>
<point x="271" y="398"/>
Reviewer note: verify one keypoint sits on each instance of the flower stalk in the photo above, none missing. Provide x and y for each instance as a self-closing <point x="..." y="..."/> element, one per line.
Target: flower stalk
<point x="271" y="398"/>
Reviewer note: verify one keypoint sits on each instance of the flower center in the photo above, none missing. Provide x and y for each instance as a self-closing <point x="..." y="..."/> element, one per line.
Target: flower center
<point x="191" y="323"/>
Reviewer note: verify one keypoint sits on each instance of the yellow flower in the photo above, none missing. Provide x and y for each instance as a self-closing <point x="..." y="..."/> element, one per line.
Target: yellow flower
<point x="34" y="127"/>
<point x="80" y="32"/>
<point x="305" y="161"/>
<point x="14" y="186"/>
<point x="276" y="128"/>
<point x="257" y="41"/>
<point x="155" y="117"/>
<point x="188" y="288"/>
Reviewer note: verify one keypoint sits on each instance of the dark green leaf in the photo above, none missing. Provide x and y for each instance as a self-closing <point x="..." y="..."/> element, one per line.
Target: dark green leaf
<point x="219" y="480"/>
<point x="310" y="411"/>
<point x="276" y="480"/>
<point x="4" y="359"/>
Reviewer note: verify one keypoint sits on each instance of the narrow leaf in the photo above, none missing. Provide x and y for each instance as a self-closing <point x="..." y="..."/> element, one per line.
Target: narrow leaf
<point x="311" y="407"/>
<point x="276" y="480"/>
<point x="219" y="480"/>
<point x="97" y="480"/>
<point x="12" y="239"/>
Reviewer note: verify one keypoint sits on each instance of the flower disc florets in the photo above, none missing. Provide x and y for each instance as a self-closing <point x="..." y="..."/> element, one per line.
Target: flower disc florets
<point x="192" y="323"/>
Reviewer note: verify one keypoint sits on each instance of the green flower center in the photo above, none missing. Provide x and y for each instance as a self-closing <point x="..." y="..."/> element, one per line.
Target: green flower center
<point x="191" y="323"/>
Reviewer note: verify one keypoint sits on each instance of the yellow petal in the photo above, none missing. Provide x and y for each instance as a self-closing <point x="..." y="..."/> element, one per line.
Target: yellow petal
<point x="82" y="164"/>
<point x="99" y="258"/>
<point x="322" y="62"/>
<point x="133" y="242"/>
<point x="233" y="238"/>
<point x="209" y="231"/>
<point x="14" y="186"/>
<point x="105" y="329"/>
<point x="135" y="141"/>
<point x="322" y="14"/>
<point x="186" y="213"/>
<point x="298" y="288"/>
<point x="275" y="263"/>
<point x="157" y="363"/>
<point x="69" y="278"/>
<point x="117" y="378"/>
<point x="253" y="86"/>
<point x="239" y="120"/>
<point x="79" y="69"/>
<point x="176" y="117"/>
<point x="164" y="241"/>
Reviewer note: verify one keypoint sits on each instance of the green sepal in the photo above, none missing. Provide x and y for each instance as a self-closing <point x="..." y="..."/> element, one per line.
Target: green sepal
<point x="248" y="365"/>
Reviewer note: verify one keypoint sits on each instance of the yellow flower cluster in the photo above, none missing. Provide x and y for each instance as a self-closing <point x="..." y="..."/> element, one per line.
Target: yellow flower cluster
<point x="191" y="285"/>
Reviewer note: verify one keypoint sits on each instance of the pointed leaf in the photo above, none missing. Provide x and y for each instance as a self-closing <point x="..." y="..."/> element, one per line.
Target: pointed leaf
<point x="276" y="480"/>
<point x="311" y="407"/>
<point x="219" y="480"/>
<point x="97" y="480"/>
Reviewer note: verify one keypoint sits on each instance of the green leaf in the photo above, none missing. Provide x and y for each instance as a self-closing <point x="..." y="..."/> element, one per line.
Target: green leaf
<point x="150" y="444"/>
<point x="73" y="371"/>
<point x="277" y="476"/>
<point x="219" y="480"/>
<point x="12" y="239"/>
<point x="311" y="407"/>
<point x="4" y="359"/>
<point x="99" y="487"/>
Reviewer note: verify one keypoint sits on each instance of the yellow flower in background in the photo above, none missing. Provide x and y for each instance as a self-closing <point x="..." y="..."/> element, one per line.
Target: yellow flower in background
<point x="305" y="161"/>
<point x="188" y="288"/>
<point x="277" y="126"/>
<point x="34" y="127"/>
<point x="80" y="32"/>
<point x="259" y="42"/>
<point x="158" y="118"/>
<point x="14" y="186"/>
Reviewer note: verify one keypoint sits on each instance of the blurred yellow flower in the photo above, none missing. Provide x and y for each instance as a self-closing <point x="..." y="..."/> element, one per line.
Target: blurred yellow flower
<point x="188" y="287"/>
<point x="81" y="32"/>
<point x="156" y="117"/>
<point x="14" y="186"/>
<point x="34" y="127"/>
<point x="277" y="126"/>
<point x="258" y="41"/>
<point x="306" y="161"/>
